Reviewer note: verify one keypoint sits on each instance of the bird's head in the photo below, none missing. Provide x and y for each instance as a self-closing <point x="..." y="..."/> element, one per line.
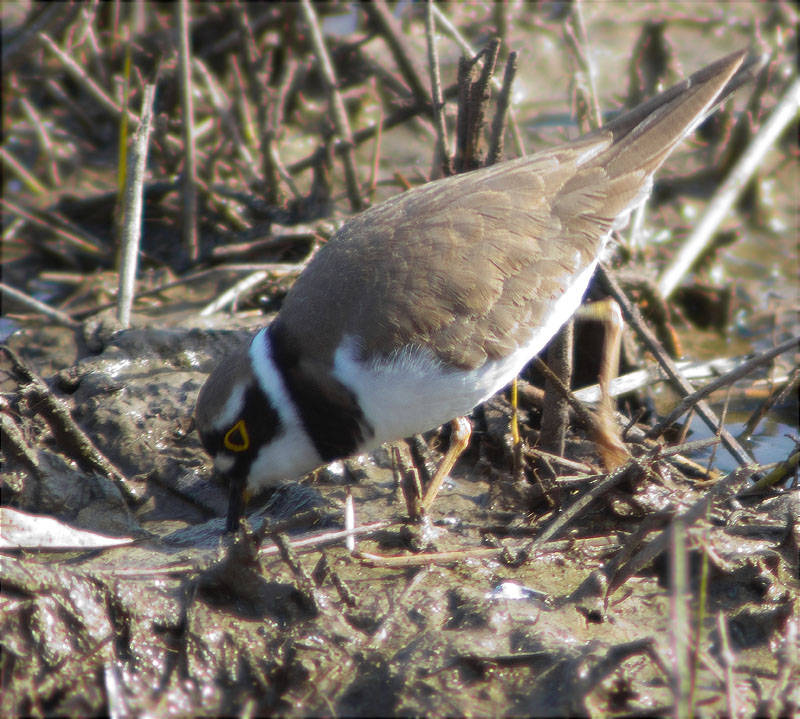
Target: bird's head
<point x="249" y="426"/>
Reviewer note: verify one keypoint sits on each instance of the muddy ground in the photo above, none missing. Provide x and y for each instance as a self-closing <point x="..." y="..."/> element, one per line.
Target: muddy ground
<point x="546" y="587"/>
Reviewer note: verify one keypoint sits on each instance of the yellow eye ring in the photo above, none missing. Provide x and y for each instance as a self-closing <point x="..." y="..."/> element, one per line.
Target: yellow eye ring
<point x="236" y="438"/>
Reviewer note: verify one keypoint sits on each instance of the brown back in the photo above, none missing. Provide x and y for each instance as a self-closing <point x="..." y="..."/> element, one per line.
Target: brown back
<point x="468" y="265"/>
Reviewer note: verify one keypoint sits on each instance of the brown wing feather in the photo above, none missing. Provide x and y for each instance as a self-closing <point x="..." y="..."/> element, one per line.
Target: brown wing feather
<point x="468" y="265"/>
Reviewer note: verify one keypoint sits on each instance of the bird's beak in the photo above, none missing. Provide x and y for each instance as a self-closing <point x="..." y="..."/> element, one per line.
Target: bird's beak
<point x="236" y="501"/>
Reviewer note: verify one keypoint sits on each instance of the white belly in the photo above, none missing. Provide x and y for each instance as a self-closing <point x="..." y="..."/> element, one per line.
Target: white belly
<point x="412" y="391"/>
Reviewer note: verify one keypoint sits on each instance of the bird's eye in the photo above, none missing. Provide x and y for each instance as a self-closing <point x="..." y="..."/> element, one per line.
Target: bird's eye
<point x="236" y="438"/>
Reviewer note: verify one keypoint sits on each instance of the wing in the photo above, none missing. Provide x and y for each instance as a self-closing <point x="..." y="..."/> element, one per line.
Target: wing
<point x="469" y="266"/>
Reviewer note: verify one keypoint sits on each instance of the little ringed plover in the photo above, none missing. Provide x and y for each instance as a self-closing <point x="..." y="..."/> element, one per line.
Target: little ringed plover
<point x="423" y="306"/>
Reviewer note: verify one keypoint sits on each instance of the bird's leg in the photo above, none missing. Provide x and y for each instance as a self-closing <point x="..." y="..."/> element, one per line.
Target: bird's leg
<point x="459" y="439"/>
<point x="607" y="435"/>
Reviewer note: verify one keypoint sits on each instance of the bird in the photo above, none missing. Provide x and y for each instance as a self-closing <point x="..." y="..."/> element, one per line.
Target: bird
<point x="423" y="306"/>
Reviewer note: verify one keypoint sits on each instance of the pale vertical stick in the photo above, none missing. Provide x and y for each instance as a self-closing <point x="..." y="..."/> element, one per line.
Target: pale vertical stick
<point x="133" y="203"/>
<point x="726" y="195"/>
<point x="190" y="168"/>
<point x="349" y="521"/>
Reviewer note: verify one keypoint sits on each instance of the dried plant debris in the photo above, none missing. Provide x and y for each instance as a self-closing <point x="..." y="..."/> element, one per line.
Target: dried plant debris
<point x="538" y="583"/>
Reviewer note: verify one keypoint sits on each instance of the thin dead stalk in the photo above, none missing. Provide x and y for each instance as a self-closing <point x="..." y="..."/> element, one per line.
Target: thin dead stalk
<point x="190" y="240"/>
<point x="588" y="112"/>
<point x="69" y="436"/>
<point x="23" y="173"/>
<point x="246" y="283"/>
<point x="726" y="380"/>
<point x="380" y="14"/>
<point x="79" y="75"/>
<point x="338" y="112"/>
<point x="133" y="200"/>
<point x="443" y="159"/>
<point x="779" y="395"/>
<point x="726" y="487"/>
<point x="466" y="48"/>
<point x="731" y="188"/>
<point x="57" y="316"/>
<point x="627" y="472"/>
<point x="500" y="122"/>
<point x="634" y="319"/>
